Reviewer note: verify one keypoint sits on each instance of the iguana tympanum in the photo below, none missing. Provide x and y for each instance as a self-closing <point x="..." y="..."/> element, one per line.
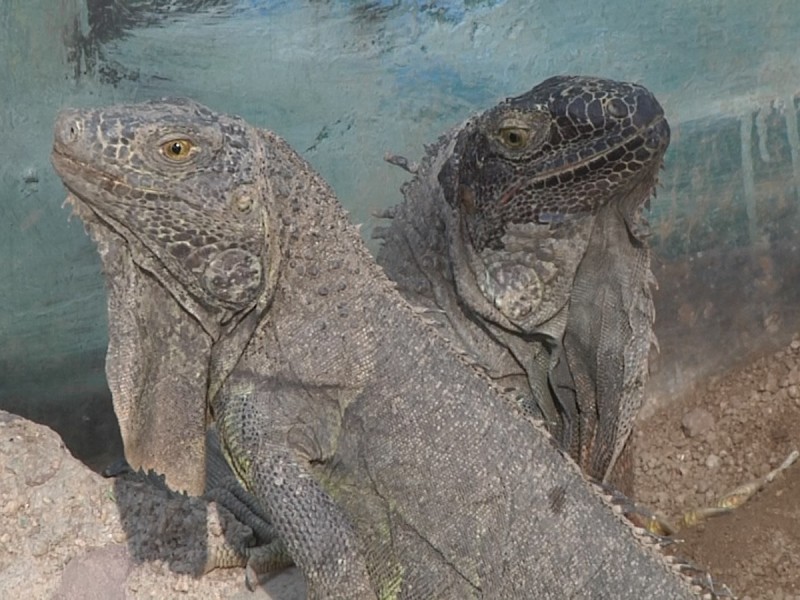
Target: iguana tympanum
<point x="522" y="233"/>
<point x="388" y="466"/>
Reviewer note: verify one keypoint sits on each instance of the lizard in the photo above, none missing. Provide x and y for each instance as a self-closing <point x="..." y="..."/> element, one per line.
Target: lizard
<point x="522" y="234"/>
<point x="387" y="465"/>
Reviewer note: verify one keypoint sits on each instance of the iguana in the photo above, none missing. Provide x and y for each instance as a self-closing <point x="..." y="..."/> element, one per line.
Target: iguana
<point x="388" y="466"/>
<point x="522" y="233"/>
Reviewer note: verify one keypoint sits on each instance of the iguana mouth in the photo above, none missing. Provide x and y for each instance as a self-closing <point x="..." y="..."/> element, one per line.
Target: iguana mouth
<point x="84" y="203"/>
<point x="654" y="139"/>
<point x="75" y="172"/>
<point x="655" y="128"/>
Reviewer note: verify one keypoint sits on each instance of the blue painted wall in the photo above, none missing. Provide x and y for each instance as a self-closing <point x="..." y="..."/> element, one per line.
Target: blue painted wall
<point x="347" y="81"/>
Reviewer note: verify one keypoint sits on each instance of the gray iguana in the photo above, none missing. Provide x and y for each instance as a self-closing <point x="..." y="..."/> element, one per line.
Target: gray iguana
<point x="522" y="234"/>
<point x="388" y="466"/>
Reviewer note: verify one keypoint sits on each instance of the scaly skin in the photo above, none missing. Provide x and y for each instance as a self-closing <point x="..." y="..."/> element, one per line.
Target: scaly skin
<point x="522" y="233"/>
<point x="387" y="465"/>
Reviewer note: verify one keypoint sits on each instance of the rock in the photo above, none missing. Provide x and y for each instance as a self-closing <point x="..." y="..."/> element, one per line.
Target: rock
<point x="697" y="421"/>
<point x="771" y="385"/>
<point x="67" y="534"/>
<point x="713" y="461"/>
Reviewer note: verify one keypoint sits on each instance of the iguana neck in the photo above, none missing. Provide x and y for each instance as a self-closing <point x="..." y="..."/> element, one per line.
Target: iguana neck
<point x="317" y="243"/>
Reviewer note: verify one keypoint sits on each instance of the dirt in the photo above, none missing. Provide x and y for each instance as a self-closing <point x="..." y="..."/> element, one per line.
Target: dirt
<point x="66" y="533"/>
<point x="734" y="430"/>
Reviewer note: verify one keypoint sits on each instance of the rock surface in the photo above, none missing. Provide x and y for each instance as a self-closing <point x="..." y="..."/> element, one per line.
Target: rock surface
<point x="69" y="534"/>
<point x="697" y="421"/>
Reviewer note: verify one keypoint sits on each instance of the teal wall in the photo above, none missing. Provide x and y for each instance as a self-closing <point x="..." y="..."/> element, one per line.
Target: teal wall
<point x="346" y="81"/>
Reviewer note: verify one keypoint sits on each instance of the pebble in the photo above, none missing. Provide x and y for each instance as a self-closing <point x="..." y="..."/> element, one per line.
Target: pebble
<point x="771" y="383"/>
<point x="713" y="461"/>
<point x="182" y="584"/>
<point x="10" y="507"/>
<point x="697" y="422"/>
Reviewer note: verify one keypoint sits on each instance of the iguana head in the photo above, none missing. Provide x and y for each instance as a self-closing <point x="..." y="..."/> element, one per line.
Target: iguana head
<point x="565" y="148"/>
<point x="175" y="197"/>
<point x="180" y="184"/>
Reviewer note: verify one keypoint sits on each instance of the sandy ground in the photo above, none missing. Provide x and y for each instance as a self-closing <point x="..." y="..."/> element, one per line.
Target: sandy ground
<point x="736" y="429"/>
<point x="65" y="532"/>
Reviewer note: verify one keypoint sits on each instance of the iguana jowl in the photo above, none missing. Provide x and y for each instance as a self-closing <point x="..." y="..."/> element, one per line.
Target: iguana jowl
<point x="522" y="230"/>
<point x="388" y="466"/>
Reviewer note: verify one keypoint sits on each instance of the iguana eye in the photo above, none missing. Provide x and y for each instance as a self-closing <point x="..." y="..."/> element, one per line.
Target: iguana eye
<point x="514" y="137"/>
<point x="177" y="150"/>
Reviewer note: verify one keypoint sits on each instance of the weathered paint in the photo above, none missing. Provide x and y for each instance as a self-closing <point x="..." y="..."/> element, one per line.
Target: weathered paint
<point x="346" y="81"/>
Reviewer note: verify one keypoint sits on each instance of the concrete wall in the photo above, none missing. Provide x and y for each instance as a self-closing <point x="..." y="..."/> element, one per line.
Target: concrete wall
<point x="347" y="81"/>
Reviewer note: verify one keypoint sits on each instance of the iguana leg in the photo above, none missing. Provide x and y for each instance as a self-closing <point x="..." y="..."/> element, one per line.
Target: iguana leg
<point x="317" y="534"/>
<point x="254" y="432"/>
<point x="223" y="488"/>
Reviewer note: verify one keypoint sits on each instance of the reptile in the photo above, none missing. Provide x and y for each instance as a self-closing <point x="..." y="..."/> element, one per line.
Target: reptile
<point x="388" y="466"/>
<point x="522" y="234"/>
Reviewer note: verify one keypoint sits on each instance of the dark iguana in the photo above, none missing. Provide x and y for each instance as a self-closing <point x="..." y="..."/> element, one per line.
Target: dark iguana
<point x="387" y="464"/>
<point x="523" y="232"/>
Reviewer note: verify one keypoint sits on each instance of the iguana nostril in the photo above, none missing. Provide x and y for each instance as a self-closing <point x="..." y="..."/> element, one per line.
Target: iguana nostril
<point x="69" y="127"/>
<point x="658" y="135"/>
<point x="74" y="131"/>
<point x="647" y="109"/>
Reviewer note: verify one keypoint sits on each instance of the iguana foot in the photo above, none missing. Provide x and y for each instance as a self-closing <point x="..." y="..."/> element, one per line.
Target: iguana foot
<point x="653" y="523"/>
<point x="267" y="557"/>
<point x="641" y="516"/>
<point x="263" y="560"/>
<point x="244" y="506"/>
<point x="660" y="526"/>
<point x="702" y="579"/>
<point x="232" y="544"/>
<point x="736" y="497"/>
